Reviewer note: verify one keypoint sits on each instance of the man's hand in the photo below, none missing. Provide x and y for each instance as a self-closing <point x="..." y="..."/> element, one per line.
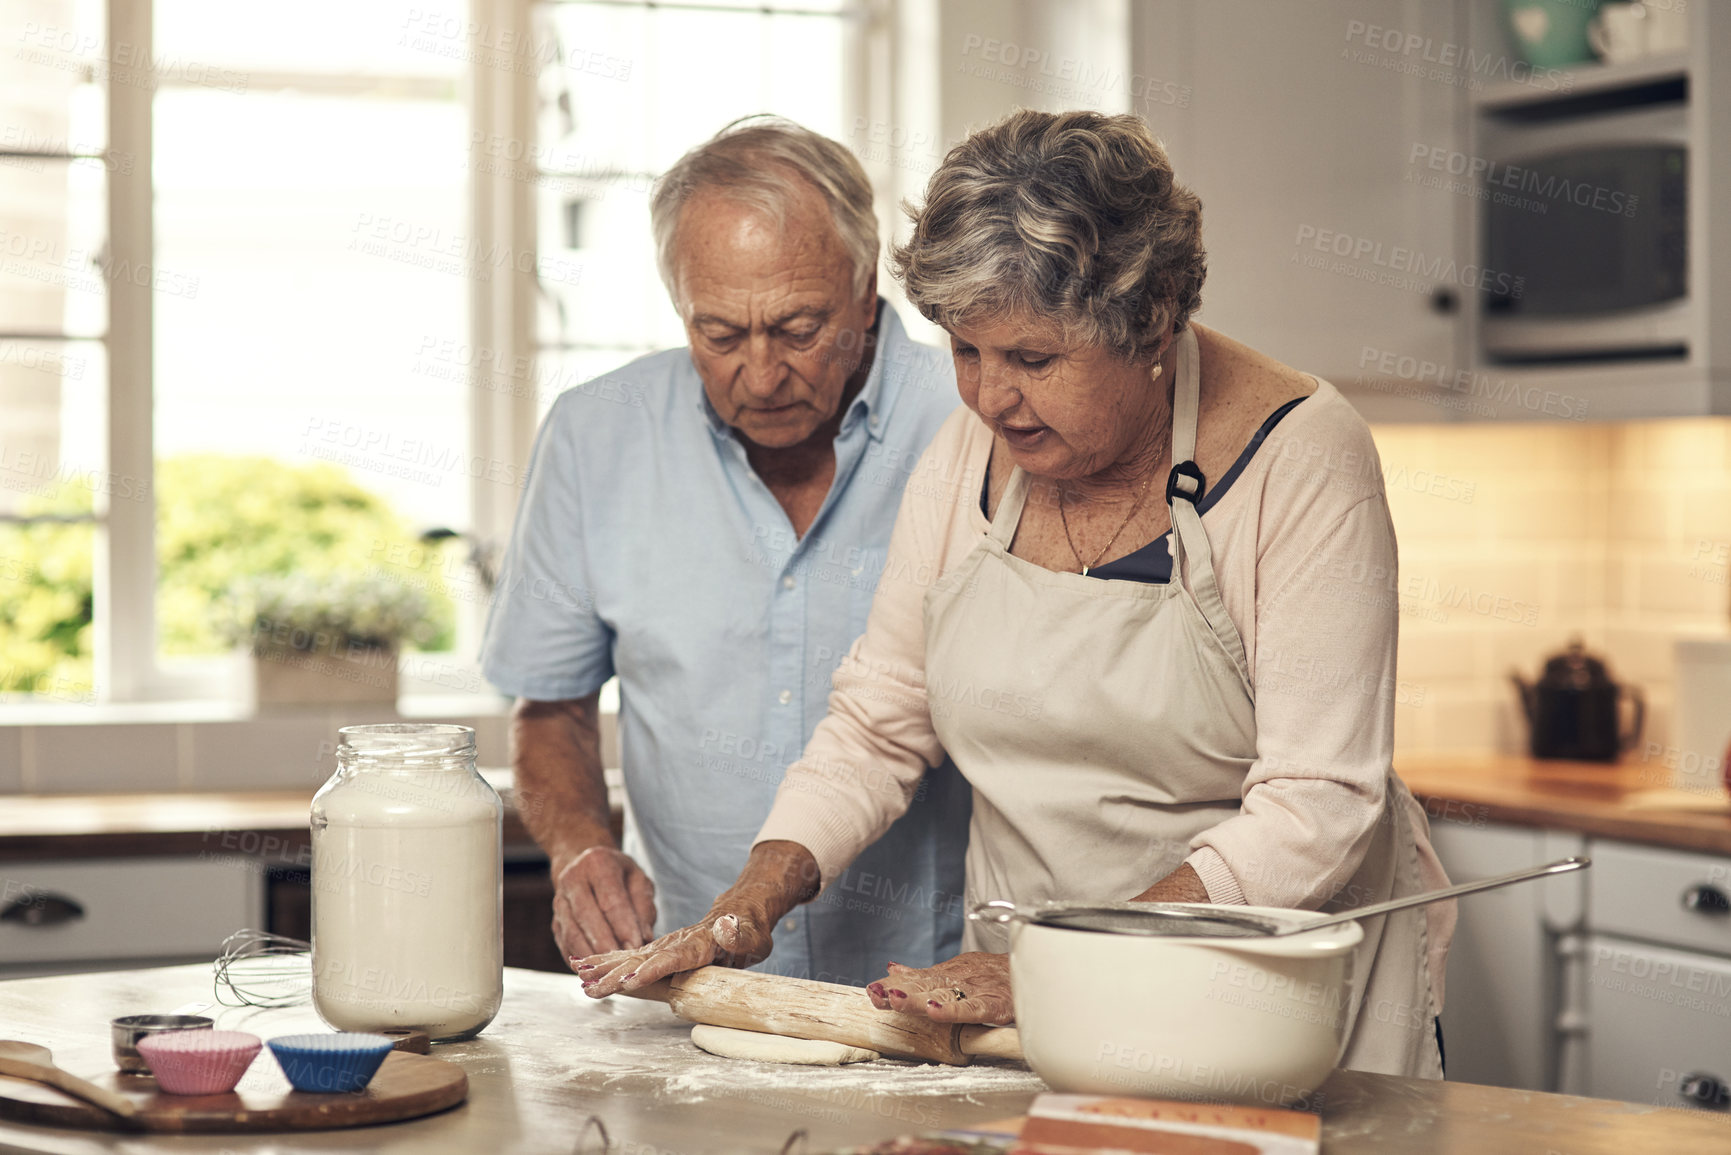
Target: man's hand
<point x="602" y="901"/>
<point x="970" y="988"/>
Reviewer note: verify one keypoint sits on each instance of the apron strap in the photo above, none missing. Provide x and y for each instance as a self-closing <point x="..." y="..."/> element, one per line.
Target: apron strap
<point x="1009" y="514"/>
<point x="1191" y="552"/>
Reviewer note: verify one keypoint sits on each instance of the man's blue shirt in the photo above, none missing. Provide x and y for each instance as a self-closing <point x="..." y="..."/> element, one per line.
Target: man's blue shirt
<point x="647" y="547"/>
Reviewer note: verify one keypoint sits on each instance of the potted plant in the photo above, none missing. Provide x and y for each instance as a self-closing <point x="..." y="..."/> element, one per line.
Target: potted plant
<point x="327" y="639"/>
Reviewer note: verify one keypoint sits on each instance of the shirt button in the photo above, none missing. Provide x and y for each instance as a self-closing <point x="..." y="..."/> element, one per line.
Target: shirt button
<point x="874" y="421"/>
<point x="790" y="925"/>
<point x="785" y="697"/>
<point x="787" y="582"/>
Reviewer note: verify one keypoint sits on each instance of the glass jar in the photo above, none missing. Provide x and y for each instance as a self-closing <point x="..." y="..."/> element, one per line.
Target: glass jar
<point x="407" y="884"/>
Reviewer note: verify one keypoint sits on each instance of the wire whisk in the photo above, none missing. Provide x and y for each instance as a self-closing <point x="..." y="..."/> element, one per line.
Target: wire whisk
<point x="260" y="969"/>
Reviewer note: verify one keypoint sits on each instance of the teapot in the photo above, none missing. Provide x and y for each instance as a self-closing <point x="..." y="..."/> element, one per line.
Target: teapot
<point x="1573" y="709"/>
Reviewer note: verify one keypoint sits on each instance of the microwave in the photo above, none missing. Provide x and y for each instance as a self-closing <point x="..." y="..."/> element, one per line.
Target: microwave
<point x="1585" y="222"/>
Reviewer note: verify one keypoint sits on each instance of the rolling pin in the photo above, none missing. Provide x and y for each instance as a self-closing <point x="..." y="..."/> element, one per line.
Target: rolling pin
<point x="803" y="1009"/>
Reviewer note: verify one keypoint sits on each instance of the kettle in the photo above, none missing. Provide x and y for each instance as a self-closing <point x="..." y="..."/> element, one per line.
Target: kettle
<point x="1572" y="710"/>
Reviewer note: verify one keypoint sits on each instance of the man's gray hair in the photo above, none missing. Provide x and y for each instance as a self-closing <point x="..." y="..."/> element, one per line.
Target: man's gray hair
<point x="1073" y="218"/>
<point x="756" y="161"/>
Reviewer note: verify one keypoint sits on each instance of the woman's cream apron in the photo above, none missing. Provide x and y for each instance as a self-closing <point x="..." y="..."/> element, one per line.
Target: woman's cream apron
<point x="1103" y="724"/>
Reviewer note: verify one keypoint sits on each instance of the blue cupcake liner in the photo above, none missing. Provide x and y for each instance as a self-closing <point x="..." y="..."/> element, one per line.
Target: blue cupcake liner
<point x="329" y="1064"/>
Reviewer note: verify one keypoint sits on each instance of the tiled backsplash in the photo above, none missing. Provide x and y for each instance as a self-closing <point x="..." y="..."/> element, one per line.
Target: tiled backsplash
<point x="1516" y="537"/>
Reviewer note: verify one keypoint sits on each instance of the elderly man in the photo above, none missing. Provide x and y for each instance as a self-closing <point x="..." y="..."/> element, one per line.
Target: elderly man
<point x="710" y="527"/>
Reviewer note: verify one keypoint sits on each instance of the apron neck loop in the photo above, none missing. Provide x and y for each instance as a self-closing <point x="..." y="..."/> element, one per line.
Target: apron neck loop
<point x="1009" y="514"/>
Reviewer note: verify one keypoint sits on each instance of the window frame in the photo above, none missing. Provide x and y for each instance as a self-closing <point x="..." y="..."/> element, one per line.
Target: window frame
<point x="501" y="310"/>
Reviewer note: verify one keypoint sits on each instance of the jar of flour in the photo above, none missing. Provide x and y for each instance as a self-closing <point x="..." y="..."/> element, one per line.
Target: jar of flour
<point x="407" y="884"/>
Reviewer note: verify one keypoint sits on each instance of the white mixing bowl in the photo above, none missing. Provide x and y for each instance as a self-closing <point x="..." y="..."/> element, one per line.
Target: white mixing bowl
<point x="1244" y="1020"/>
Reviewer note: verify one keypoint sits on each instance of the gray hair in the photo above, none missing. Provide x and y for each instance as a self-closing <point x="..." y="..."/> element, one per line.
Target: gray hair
<point x="756" y="161"/>
<point x="1072" y="217"/>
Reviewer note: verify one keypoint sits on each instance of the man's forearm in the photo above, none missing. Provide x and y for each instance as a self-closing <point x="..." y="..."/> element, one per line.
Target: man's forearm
<point x="561" y="792"/>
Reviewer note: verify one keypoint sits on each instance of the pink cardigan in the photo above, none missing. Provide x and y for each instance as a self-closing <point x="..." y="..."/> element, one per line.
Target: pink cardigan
<point x="1305" y="554"/>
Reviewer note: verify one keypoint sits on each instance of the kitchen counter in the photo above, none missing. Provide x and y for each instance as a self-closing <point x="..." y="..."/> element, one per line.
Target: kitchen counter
<point x="265" y="824"/>
<point x="553" y="1059"/>
<point x="1588" y="797"/>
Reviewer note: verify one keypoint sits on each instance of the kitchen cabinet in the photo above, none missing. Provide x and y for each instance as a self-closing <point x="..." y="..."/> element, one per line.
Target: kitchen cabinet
<point x="1660" y="1025"/>
<point x="1502" y="985"/>
<point x="1657" y="1001"/>
<point x="1299" y="134"/>
<point x="1615" y="984"/>
<point x="68" y="916"/>
<point x="1339" y="148"/>
<point x="1679" y="97"/>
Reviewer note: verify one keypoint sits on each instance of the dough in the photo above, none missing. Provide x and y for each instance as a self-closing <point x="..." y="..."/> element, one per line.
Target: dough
<point x="735" y="1044"/>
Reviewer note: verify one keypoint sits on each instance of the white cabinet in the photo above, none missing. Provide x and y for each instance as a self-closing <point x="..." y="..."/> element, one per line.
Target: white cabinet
<point x="63" y="916"/>
<point x="1501" y="993"/>
<point x="1657" y="1001"/>
<point x="1299" y="132"/>
<point x="1660" y="1025"/>
<point x="1614" y="982"/>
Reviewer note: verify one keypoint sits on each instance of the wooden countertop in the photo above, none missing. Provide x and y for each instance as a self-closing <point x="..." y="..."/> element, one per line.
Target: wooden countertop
<point x="265" y="824"/>
<point x="1592" y="798"/>
<point x="1588" y="797"/>
<point x="553" y="1058"/>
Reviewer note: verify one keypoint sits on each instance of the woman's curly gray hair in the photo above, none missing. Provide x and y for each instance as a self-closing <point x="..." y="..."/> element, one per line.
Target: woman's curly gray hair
<point x="1073" y="217"/>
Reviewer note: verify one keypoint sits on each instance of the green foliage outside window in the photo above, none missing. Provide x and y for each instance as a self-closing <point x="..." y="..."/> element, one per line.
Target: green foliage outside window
<point x="222" y="523"/>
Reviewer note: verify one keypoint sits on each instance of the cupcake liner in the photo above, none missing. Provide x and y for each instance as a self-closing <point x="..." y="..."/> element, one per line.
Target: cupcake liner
<point x="199" y="1062"/>
<point x="330" y="1063"/>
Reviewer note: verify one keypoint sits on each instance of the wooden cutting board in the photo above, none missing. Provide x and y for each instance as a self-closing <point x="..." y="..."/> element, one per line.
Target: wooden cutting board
<point x="406" y="1087"/>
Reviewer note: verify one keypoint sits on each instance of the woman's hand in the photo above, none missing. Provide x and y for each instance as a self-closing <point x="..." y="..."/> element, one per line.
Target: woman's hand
<point x="734" y="935"/>
<point x="736" y="932"/>
<point x="970" y="988"/>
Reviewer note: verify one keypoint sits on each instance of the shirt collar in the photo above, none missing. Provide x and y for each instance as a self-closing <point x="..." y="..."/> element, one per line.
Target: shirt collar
<point x="874" y="401"/>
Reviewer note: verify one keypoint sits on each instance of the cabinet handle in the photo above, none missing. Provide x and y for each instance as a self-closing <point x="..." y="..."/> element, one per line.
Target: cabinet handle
<point x="1706" y="1090"/>
<point x="1705" y="898"/>
<point x="43" y="909"/>
<point x="1444" y="300"/>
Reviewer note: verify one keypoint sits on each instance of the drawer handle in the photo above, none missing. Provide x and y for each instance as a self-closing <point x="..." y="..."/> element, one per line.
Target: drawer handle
<point x="1706" y="1090"/>
<point x="1704" y="898"/>
<point x="43" y="909"/>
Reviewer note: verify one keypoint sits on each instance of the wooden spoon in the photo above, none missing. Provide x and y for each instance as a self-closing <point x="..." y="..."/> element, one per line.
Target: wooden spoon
<point x="29" y="1061"/>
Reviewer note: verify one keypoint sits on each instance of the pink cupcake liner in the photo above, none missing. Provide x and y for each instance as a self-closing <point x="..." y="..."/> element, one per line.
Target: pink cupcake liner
<point x="199" y="1062"/>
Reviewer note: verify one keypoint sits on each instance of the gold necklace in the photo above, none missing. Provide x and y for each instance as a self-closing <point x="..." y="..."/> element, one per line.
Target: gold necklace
<point x="1088" y="565"/>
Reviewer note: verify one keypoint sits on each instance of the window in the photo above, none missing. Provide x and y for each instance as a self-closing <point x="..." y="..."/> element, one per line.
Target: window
<point x="625" y="88"/>
<point x="377" y="237"/>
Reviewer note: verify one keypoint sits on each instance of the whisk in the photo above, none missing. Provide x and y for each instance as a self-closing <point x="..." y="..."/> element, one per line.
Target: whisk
<point x="260" y="969"/>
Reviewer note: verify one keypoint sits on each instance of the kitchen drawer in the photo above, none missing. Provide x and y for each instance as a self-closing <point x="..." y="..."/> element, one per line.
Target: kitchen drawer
<point x="1659" y="1025"/>
<point x="124" y="908"/>
<point x="1664" y="896"/>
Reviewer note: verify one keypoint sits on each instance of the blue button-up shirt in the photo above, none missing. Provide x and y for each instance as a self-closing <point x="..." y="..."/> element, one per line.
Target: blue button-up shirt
<point x="647" y="547"/>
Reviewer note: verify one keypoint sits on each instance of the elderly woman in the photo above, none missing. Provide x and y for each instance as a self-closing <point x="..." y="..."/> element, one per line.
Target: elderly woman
<point x="1142" y="594"/>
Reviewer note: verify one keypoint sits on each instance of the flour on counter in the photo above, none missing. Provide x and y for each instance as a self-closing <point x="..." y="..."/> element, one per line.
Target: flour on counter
<point x="627" y="1044"/>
